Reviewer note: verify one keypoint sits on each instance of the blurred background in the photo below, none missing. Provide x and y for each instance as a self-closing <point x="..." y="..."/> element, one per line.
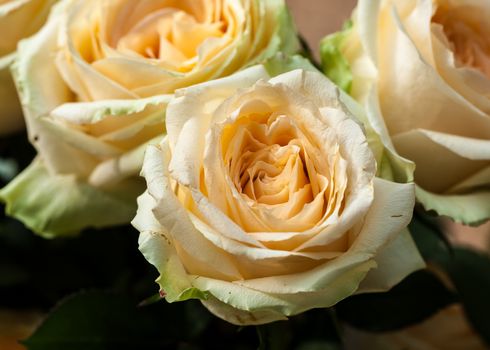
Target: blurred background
<point x="315" y="18"/>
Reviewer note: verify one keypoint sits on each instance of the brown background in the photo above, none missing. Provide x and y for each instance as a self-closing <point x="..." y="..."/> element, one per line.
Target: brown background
<point x="316" y="18"/>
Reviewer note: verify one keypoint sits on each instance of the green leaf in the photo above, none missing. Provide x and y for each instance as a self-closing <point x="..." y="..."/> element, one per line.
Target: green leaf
<point x="8" y="169"/>
<point x="319" y="345"/>
<point x="415" y="299"/>
<point x="286" y="30"/>
<point x="40" y="272"/>
<point x="335" y="65"/>
<point x="11" y="274"/>
<point x="281" y="63"/>
<point x="101" y="321"/>
<point x="15" y="154"/>
<point x="315" y="328"/>
<point x="61" y="205"/>
<point x="470" y="274"/>
<point x="468" y="271"/>
<point x="431" y="242"/>
<point x="275" y="336"/>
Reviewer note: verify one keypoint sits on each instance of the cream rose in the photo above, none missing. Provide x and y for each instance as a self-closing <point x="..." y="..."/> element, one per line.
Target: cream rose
<point x="95" y="82"/>
<point x="262" y="200"/>
<point x="424" y="68"/>
<point x="18" y="19"/>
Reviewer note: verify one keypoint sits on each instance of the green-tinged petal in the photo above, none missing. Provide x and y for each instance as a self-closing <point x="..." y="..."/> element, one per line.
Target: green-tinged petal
<point x="93" y="112"/>
<point x="281" y="63"/>
<point x="334" y="64"/>
<point x="285" y="38"/>
<point x="145" y="221"/>
<point x="35" y="52"/>
<point x="391" y="166"/>
<point x="78" y="140"/>
<point x="396" y="261"/>
<point x="201" y="254"/>
<point x="241" y="317"/>
<point x="37" y="100"/>
<point x="260" y="307"/>
<point x="118" y="168"/>
<point x="469" y="209"/>
<point x="159" y="250"/>
<point x="61" y="205"/>
<point x="287" y="32"/>
<point x="454" y="159"/>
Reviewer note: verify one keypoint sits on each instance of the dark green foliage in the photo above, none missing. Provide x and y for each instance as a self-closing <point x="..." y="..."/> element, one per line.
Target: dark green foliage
<point x="416" y="298"/>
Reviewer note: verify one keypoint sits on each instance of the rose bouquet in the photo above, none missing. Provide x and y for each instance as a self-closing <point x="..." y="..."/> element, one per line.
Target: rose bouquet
<point x="320" y="203"/>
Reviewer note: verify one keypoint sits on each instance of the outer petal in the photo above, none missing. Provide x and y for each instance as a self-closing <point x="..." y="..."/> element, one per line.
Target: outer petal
<point x="469" y="209"/>
<point x="396" y="261"/>
<point x="199" y="254"/>
<point x="37" y="100"/>
<point x="344" y="56"/>
<point x="263" y="307"/>
<point x="116" y="169"/>
<point x="94" y="112"/>
<point x="180" y="112"/>
<point x="145" y="221"/>
<point x="406" y="77"/>
<point x="241" y="317"/>
<point x="57" y="205"/>
<point x="159" y="250"/>
<point x="452" y="159"/>
<point x="20" y="19"/>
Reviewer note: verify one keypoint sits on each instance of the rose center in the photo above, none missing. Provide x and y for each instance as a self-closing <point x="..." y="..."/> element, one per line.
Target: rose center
<point x="270" y="164"/>
<point x="171" y="35"/>
<point x="468" y="35"/>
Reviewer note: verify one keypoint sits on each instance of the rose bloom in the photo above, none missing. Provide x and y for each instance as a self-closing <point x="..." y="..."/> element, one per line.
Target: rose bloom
<point x="263" y="202"/>
<point x="95" y="82"/>
<point x="18" y="19"/>
<point x="424" y="68"/>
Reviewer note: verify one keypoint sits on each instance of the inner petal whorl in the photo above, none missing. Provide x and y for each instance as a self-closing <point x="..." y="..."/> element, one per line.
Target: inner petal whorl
<point x="275" y="167"/>
<point x="169" y="34"/>
<point x="468" y="35"/>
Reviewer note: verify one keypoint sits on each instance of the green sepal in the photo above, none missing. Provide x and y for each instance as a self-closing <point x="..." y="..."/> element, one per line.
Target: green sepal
<point x="62" y="205"/>
<point x="334" y="64"/>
